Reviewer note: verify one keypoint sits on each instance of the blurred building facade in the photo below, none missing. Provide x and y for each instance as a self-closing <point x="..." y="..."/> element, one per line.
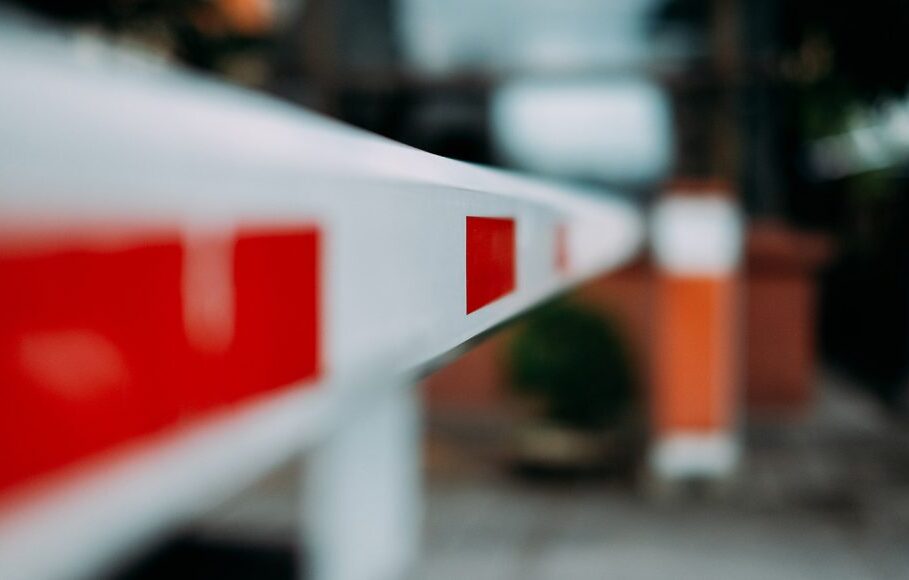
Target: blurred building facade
<point x="737" y="92"/>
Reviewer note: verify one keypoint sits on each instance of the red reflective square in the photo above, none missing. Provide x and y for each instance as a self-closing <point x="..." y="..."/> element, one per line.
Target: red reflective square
<point x="277" y="320"/>
<point x="490" y="260"/>
<point x="91" y="351"/>
<point x="100" y="348"/>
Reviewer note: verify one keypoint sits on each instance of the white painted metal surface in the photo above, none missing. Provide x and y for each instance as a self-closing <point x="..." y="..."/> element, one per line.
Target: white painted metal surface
<point x="92" y="135"/>
<point x="698" y="235"/>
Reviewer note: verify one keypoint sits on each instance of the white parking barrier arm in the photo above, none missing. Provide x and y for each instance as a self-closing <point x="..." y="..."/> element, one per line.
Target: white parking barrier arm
<point x="200" y="282"/>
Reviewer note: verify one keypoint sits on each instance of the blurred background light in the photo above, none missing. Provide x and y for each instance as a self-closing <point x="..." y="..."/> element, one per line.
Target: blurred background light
<point x="617" y="131"/>
<point x="440" y="36"/>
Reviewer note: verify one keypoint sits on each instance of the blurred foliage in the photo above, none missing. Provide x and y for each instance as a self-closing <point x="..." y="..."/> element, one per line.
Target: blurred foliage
<point x="837" y="54"/>
<point x="858" y="43"/>
<point x="873" y="188"/>
<point x="574" y="362"/>
<point x="204" y="34"/>
<point x="116" y="14"/>
<point x="692" y="14"/>
<point x="864" y="42"/>
<point x="841" y="57"/>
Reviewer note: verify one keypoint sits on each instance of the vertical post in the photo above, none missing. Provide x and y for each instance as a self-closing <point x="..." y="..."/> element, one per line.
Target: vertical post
<point x="363" y="495"/>
<point x="697" y="239"/>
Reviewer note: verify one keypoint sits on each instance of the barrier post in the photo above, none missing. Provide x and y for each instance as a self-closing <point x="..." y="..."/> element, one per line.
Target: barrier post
<point x="697" y="240"/>
<point x="362" y="496"/>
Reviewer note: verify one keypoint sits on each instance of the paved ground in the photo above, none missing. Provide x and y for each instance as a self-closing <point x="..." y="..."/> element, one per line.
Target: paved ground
<point x="505" y="532"/>
<point x="825" y="497"/>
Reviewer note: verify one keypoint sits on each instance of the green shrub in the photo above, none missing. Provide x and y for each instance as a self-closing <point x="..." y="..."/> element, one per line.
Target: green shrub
<point x="574" y="362"/>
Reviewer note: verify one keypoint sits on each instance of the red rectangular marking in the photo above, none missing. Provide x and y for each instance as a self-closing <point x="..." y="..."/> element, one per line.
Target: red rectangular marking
<point x="94" y="349"/>
<point x="561" y="249"/>
<point x="277" y="313"/>
<point x="490" y="260"/>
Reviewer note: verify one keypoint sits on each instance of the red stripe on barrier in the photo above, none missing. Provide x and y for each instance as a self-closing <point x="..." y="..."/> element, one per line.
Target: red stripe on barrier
<point x="101" y="346"/>
<point x="561" y="249"/>
<point x="490" y="260"/>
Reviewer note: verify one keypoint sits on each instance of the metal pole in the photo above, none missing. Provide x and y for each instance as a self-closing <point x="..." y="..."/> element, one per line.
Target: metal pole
<point x="363" y="494"/>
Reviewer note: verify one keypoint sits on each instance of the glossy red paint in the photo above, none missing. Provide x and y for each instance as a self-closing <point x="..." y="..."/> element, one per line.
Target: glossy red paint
<point x="94" y="348"/>
<point x="490" y="260"/>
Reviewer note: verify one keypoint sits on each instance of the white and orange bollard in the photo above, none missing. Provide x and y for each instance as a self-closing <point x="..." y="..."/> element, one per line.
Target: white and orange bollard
<point x="697" y="244"/>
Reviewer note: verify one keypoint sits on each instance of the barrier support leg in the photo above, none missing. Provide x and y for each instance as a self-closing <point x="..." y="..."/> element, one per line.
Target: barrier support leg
<point x="362" y="502"/>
